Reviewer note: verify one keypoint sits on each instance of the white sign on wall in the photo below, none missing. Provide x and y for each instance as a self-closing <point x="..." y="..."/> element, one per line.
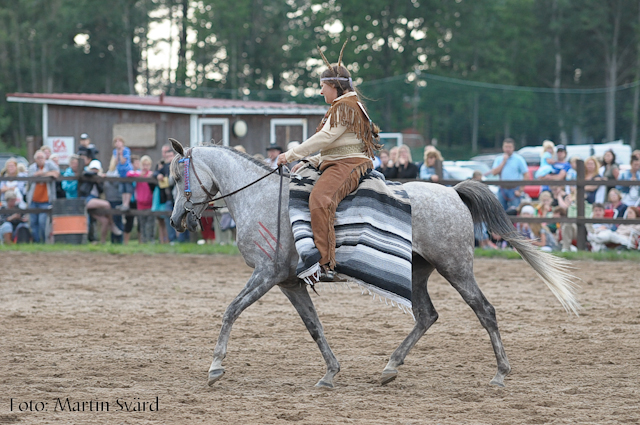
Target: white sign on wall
<point x="61" y="146"/>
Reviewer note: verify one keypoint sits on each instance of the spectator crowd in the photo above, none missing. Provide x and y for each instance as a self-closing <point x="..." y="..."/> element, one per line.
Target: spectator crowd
<point x="601" y="201"/>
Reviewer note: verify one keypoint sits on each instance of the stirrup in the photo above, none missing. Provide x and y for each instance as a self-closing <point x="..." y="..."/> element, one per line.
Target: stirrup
<point x="327" y="275"/>
<point x="311" y="276"/>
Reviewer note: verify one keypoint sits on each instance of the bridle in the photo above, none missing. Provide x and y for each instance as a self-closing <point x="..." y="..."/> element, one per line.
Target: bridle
<point x="187" y="159"/>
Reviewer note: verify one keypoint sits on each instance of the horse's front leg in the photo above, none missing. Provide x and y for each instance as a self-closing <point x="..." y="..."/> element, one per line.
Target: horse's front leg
<point x="299" y="297"/>
<point x="258" y="285"/>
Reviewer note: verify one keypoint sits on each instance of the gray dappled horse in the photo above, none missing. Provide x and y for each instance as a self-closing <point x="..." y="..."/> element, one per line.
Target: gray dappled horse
<point x="442" y="219"/>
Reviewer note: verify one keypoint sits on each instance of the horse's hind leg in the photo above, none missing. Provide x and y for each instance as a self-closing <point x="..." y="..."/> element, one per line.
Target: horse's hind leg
<point x="423" y="311"/>
<point x="462" y="279"/>
<point x="299" y="297"/>
<point x="256" y="287"/>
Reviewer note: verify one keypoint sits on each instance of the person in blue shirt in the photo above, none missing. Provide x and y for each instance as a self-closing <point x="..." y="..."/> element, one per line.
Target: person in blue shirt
<point x="123" y="161"/>
<point x="631" y="194"/>
<point x="509" y="166"/>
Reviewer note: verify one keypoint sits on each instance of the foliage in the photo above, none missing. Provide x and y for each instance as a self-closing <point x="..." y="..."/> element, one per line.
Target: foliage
<point x="267" y="50"/>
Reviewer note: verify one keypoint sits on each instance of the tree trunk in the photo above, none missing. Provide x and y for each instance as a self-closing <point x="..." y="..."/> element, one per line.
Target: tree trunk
<point x="181" y="72"/>
<point x="475" y="123"/>
<point x="127" y="39"/>
<point x="557" y="82"/>
<point x="636" y="90"/>
<point x="611" y="78"/>
<point x="18" y="52"/>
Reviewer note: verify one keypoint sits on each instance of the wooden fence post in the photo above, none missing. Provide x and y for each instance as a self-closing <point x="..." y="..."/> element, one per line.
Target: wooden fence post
<point x="580" y="199"/>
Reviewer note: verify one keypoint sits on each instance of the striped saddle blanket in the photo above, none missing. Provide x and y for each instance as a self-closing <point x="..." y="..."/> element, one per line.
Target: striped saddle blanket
<point x="373" y="234"/>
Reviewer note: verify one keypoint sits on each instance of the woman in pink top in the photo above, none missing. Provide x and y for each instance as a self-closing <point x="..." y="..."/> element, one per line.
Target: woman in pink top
<point x="144" y="199"/>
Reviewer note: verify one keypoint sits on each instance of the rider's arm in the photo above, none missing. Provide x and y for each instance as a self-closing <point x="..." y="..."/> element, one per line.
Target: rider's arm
<point x="323" y="138"/>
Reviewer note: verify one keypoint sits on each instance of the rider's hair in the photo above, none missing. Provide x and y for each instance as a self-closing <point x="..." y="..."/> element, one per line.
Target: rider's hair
<point x="338" y="77"/>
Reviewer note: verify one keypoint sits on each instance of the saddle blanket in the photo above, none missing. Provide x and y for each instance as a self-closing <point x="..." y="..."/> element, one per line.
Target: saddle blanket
<point x="373" y="234"/>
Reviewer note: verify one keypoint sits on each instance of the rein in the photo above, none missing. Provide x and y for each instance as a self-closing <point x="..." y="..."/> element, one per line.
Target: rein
<point x="187" y="191"/>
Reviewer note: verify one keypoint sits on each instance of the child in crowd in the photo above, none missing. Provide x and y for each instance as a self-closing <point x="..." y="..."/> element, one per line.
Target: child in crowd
<point x="593" y="230"/>
<point x="546" y="160"/>
<point x="122" y="155"/>
<point x="144" y="199"/>
<point x="538" y="233"/>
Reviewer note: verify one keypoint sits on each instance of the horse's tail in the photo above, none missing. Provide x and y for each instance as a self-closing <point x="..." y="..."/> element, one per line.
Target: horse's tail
<point x="485" y="208"/>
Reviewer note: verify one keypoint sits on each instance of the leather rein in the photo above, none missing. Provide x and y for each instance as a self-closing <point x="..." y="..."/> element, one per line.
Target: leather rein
<point x="188" y="205"/>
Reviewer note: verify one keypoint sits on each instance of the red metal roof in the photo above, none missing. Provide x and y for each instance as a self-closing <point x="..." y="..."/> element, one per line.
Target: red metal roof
<point x="160" y="101"/>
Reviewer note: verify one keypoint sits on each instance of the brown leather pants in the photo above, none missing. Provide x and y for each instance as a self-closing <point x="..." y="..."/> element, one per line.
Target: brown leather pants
<point x="339" y="178"/>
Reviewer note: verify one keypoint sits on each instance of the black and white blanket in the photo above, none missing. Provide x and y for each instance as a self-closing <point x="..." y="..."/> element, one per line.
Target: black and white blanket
<point x="373" y="234"/>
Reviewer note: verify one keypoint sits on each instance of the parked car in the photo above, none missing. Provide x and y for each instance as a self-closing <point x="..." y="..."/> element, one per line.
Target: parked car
<point x="5" y="156"/>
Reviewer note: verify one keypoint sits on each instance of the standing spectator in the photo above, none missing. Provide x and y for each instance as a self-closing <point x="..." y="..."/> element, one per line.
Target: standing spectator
<point x="167" y="184"/>
<point x="47" y="152"/>
<point x="631" y="194"/>
<point x="428" y="167"/>
<point x="18" y="187"/>
<point x="70" y="187"/>
<point x="510" y="166"/>
<point x="406" y="169"/>
<point x="594" y="193"/>
<point x="11" y="223"/>
<point x="144" y="199"/>
<point x="85" y="142"/>
<point x="615" y="203"/>
<point x="272" y="155"/>
<point x="387" y="169"/>
<point x="41" y="195"/>
<point x="122" y="155"/>
<point x="113" y="195"/>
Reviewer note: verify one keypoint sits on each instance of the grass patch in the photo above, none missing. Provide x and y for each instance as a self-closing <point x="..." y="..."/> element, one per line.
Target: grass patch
<point x="132" y="248"/>
<point x="611" y="255"/>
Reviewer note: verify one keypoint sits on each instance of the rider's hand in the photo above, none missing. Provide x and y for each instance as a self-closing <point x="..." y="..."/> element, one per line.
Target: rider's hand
<point x="296" y="167"/>
<point x="282" y="159"/>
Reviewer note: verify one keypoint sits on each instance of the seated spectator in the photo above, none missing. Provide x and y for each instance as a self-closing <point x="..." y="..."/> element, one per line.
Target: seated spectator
<point x="405" y="167"/>
<point x="593" y="193"/>
<point x="609" y="169"/>
<point x="615" y="203"/>
<point x="554" y="228"/>
<point x="90" y="191"/>
<point x="593" y="229"/>
<point x="546" y="160"/>
<point x="12" y="224"/>
<point x="544" y="206"/>
<point x="428" y="168"/>
<point x="144" y="199"/>
<point x="625" y="235"/>
<point x="561" y="166"/>
<point x="570" y="230"/>
<point x="386" y="166"/>
<point x="19" y="188"/>
<point x="631" y="194"/>
<point x="538" y="233"/>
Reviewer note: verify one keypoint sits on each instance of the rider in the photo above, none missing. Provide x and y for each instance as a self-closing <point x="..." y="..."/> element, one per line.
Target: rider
<point x="346" y="139"/>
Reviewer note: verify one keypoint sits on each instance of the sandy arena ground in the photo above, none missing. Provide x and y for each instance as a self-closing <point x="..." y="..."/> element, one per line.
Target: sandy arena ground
<point x="108" y="329"/>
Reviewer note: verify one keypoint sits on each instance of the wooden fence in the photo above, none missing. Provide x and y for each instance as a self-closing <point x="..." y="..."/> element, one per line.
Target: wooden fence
<point x="580" y="220"/>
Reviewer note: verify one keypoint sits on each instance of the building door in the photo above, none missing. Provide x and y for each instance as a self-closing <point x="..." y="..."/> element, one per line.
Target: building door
<point x="214" y="130"/>
<point x="285" y="130"/>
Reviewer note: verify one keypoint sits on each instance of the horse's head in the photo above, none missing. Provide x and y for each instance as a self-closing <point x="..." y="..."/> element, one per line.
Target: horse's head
<point x="191" y="199"/>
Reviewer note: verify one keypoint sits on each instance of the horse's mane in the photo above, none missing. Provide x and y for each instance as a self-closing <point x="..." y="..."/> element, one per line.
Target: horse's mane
<point x="175" y="169"/>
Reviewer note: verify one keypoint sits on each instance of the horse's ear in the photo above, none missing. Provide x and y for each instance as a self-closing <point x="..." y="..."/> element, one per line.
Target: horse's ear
<point x="177" y="146"/>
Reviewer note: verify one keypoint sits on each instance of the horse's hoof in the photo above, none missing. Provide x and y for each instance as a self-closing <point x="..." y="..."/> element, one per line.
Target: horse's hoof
<point x="324" y="384"/>
<point x="214" y="375"/>
<point x="388" y="376"/>
<point x="497" y="382"/>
